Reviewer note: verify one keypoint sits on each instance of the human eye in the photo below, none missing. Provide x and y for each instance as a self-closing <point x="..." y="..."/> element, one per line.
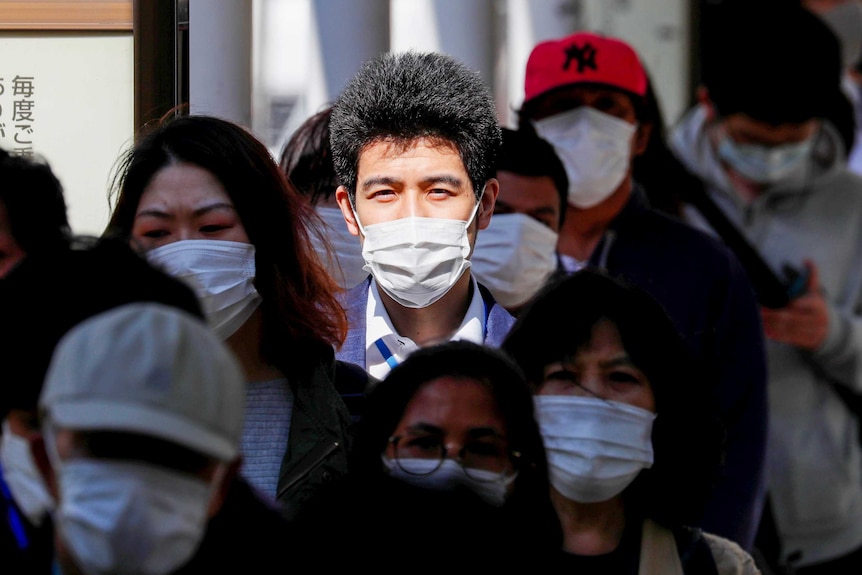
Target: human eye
<point x="420" y="446"/>
<point x="153" y="233"/>
<point x="214" y="228"/>
<point x="623" y="376"/>
<point x="559" y="381"/>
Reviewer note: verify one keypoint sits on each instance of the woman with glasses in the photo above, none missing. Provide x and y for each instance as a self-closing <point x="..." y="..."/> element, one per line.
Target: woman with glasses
<point x="447" y="469"/>
<point x="633" y="448"/>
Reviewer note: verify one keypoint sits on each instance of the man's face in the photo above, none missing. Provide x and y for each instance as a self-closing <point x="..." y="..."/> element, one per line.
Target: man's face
<point x="744" y="129"/>
<point x="535" y="196"/>
<point x="607" y="100"/>
<point x="422" y="179"/>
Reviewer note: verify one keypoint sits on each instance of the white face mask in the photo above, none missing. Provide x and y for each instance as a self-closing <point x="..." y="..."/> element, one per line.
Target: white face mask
<point x="220" y="273"/>
<point x="514" y="257"/>
<point x="347" y="267"/>
<point x="23" y="477"/>
<point x="118" y="517"/>
<point x="766" y="165"/>
<point x="493" y="489"/>
<point x="595" y="149"/>
<point x="416" y="261"/>
<point x="595" y="448"/>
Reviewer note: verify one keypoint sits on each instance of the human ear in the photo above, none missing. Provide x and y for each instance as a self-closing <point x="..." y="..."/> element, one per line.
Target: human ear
<point x="343" y="199"/>
<point x="487" y="201"/>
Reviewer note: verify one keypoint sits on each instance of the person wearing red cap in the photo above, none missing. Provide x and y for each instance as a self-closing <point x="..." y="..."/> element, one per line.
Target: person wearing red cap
<point x="586" y="95"/>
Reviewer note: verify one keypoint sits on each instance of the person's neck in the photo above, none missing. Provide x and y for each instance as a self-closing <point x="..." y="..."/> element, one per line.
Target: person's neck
<point x="436" y="322"/>
<point x="590" y="528"/>
<point x="583" y="228"/>
<point x="746" y="190"/>
<point x="246" y="344"/>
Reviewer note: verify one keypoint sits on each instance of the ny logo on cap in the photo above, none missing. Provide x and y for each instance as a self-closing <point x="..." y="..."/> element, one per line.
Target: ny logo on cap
<point x="585" y="56"/>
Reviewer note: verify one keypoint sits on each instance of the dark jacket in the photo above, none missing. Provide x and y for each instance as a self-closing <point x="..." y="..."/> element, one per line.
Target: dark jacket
<point x="320" y="432"/>
<point x="247" y="535"/>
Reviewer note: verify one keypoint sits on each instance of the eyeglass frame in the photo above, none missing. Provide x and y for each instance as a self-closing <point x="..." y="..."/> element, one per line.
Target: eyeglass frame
<point x="514" y="457"/>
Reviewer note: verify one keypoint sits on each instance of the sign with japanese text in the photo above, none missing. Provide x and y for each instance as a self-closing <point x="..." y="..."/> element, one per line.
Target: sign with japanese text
<point x="68" y="97"/>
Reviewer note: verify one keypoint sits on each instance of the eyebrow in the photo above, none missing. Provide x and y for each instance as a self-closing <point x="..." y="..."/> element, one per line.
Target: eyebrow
<point x="623" y="360"/>
<point x="473" y="433"/>
<point x="433" y="179"/>
<point x="157" y="213"/>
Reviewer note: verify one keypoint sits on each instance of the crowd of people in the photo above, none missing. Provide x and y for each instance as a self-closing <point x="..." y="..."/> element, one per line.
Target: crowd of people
<point x="420" y="339"/>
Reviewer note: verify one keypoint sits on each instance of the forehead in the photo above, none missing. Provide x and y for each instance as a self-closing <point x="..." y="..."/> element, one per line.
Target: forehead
<point x="524" y="193"/>
<point x="395" y="154"/>
<point x="604" y="338"/>
<point x="740" y="124"/>
<point x="453" y="404"/>
<point x="183" y="183"/>
<point x="569" y="97"/>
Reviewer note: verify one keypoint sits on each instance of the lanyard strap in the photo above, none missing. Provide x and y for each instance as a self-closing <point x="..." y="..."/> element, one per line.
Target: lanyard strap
<point x="16" y="524"/>
<point x="387" y="354"/>
<point x="390" y="358"/>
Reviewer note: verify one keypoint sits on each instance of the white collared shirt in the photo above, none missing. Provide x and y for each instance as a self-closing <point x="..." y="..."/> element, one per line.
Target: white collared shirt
<point x="386" y="349"/>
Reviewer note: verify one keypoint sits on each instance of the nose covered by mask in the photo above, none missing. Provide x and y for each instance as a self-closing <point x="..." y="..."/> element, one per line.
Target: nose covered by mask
<point x="221" y="273"/>
<point x="767" y="165"/>
<point x="492" y="488"/>
<point x="514" y="257"/>
<point x="25" y="482"/>
<point x="595" y="149"/>
<point x="118" y="517"/>
<point x="595" y="448"/>
<point x="417" y="260"/>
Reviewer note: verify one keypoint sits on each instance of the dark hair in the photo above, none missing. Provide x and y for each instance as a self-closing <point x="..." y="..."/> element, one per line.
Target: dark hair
<point x="526" y="154"/>
<point x="687" y="437"/>
<point x="299" y="303"/>
<point x="387" y="401"/>
<point x="657" y="169"/>
<point x="307" y="158"/>
<point x="400" y="97"/>
<point x="33" y="197"/>
<point x="777" y="62"/>
<point x="96" y="275"/>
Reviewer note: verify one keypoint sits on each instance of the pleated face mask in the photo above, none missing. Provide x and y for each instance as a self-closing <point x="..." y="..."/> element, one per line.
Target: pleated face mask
<point x="595" y="149"/>
<point x="221" y="273"/>
<point x="514" y="256"/>
<point x="595" y="448"/>
<point x="415" y="260"/>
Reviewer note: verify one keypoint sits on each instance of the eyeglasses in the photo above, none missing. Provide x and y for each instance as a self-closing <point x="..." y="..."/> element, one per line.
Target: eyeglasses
<point x="482" y="460"/>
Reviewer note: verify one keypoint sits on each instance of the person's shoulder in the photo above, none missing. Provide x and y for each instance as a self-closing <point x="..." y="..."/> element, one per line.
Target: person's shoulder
<point x="499" y="320"/>
<point x="729" y="557"/>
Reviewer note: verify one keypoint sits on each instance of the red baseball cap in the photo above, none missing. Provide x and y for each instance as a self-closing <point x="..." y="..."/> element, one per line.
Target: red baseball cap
<point x="583" y="57"/>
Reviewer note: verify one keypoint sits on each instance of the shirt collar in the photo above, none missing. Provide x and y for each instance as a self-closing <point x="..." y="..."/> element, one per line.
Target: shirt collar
<point x="379" y="327"/>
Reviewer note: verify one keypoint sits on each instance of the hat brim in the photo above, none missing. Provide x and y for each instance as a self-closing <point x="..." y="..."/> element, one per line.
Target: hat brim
<point x="92" y="415"/>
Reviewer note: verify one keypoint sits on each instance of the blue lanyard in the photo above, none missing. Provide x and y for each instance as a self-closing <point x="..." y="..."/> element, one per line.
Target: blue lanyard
<point x="16" y="524"/>
<point x="390" y="358"/>
<point x="387" y="354"/>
